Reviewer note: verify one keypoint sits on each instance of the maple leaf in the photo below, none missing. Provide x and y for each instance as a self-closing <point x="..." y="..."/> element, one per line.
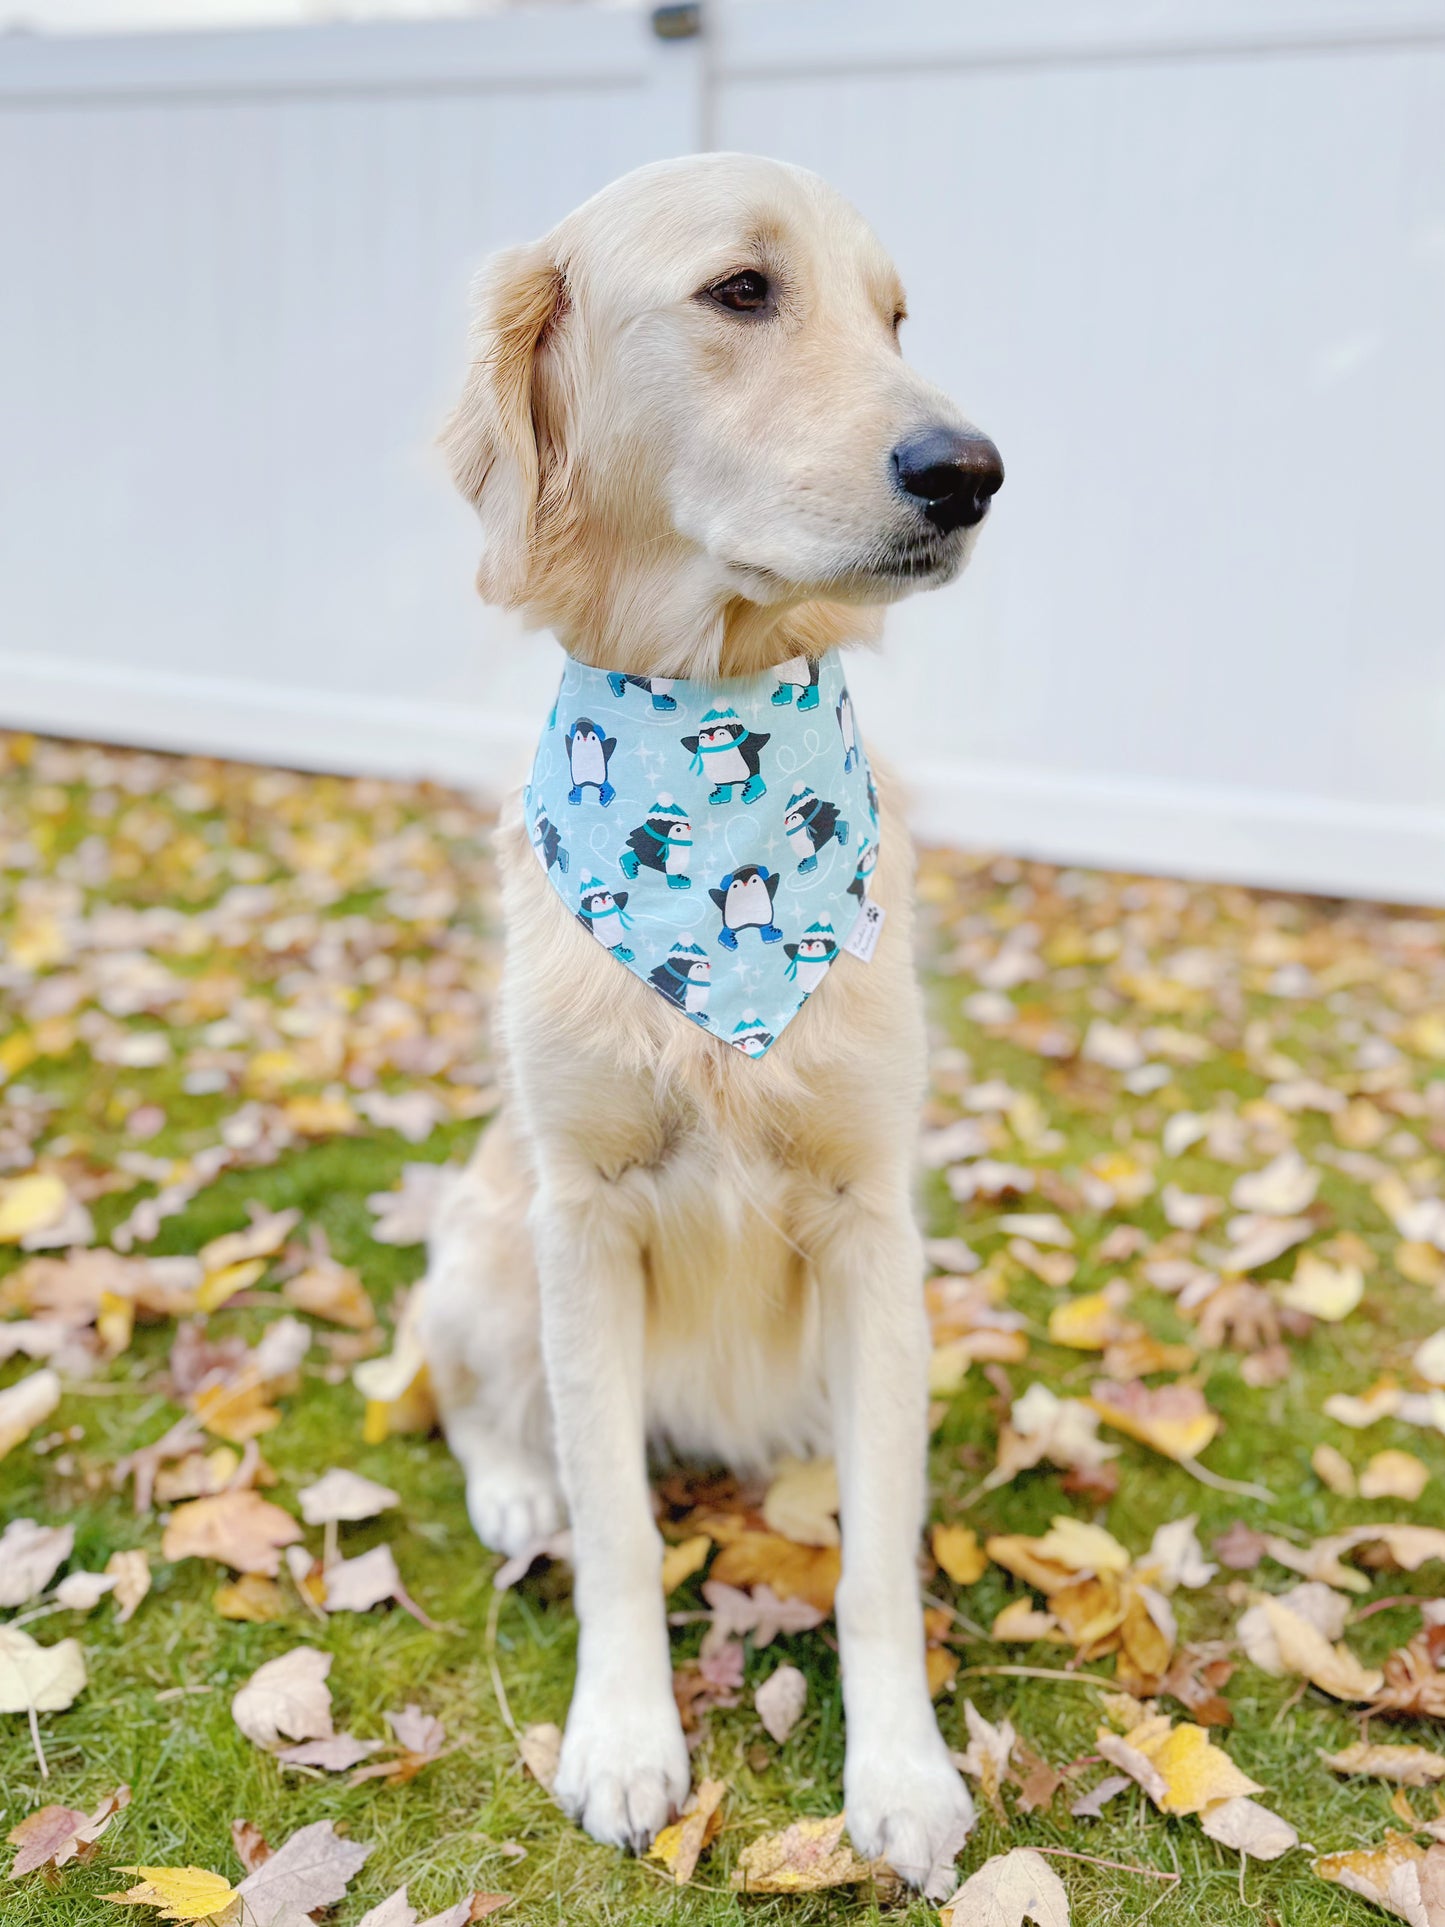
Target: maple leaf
<point x="54" y="1836"/>
<point x="30" y="1556"/>
<point x="790" y="1571"/>
<point x="26" y="1404"/>
<point x="180" y="1893"/>
<point x="1390" y="1875"/>
<point x="419" y="1739"/>
<point x="309" y="1871"/>
<point x="239" y="1529"/>
<point x="802" y="1859"/>
<point x="1179" y="1767"/>
<point x="761" y="1613"/>
<point x="1172" y="1419"/>
<point x="35" y="1678"/>
<point x="680" y="1846"/>
<point x="286" y="1698"/>
<point x="801" y="1504"/>
<point x="780" y="1701"/>
<point x="1008" y="1890"/>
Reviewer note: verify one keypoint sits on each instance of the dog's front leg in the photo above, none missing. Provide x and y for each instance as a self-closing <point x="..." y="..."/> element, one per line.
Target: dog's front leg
<point x="624" y="1766"/>
<point x="904" y="1799"/>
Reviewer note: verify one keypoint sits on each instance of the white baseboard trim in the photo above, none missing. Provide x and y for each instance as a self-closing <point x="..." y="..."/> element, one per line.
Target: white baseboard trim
<point x="1259" y="837"/>
<point x="1244" y="836"/>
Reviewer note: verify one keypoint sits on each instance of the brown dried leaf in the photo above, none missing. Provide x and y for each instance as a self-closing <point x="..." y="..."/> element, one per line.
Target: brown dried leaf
<point x="239" y="1529"/>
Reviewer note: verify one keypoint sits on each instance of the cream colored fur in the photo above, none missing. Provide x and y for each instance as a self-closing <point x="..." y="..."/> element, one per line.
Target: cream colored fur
<point x="658" y="1238"/>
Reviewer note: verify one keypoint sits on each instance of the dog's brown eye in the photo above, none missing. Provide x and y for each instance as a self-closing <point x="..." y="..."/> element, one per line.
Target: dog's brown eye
<point x="744" y="293"/>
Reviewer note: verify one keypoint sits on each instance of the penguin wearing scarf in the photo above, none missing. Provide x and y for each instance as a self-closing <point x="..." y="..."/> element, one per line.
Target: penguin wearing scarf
<point x="603" y="912"/>
<point x="662" y="843"/>
<point x="728" y="753"/>
<point x="809" y="823"/>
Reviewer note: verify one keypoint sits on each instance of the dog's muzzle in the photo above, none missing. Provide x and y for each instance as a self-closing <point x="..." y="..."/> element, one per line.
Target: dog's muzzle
<point x="951" y="475"/>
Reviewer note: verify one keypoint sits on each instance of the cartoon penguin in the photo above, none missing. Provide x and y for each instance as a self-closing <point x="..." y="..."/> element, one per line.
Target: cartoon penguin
<point x="867" y="858"/>
<point x="727" y="751"/>
<point x="746" y="903"/>
<point x="811" y="955"/>
<point x="658" y="687"/>
<point x="844" y="713"/>
<point x="809" y="823"/>
<point x="547" y="842"/>
<point x="588" y="752"/>
<point x="750" y="1035"/>
<point x="603" y="912"/>
<point x="800" y="674"/>
<point x="685" y="976"/>
<point x="663" y="842"/>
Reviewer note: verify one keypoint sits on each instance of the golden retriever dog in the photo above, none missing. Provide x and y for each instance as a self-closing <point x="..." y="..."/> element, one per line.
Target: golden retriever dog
<point x="696" y="452"/>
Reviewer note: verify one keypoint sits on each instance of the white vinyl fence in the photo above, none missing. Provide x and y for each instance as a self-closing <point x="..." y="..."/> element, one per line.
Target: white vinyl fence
<point x="1184" y="259"/>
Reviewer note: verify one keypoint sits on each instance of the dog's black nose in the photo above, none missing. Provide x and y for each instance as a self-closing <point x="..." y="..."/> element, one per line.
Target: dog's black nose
<point x="953" y="475"/>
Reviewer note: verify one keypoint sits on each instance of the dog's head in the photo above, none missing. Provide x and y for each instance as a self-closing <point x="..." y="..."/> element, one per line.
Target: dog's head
<point x="687" y="408"/>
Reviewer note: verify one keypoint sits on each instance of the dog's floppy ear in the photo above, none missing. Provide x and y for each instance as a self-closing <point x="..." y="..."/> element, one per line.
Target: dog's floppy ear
<point x="495" y="439"/>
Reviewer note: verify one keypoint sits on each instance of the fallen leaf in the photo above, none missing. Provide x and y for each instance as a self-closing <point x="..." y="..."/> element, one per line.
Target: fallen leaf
<point x="1334" y="1470"/>
<point x="1388" y="1875"/>
<point x="802" y="1859"/>
<point x="418" y="1740"/>
<point x="42" y="1679"/>
<point x="682" y="1560"/>
<point x="1173" y="1420"/>
<point x="792" y="1571"/>
<point x="181" y="1893"/>
<point x="335" y="1754"/>
<point x="541" y="1749"/>
<point x="26" y="1404"/>
<point x="131" y="1571"/>
<point x="30" y="1203"/>
<point x="801" y="1504"/>
<point x="1327" y="1292"/>
<point x="1248" y="1828"/>
<point x="762" y="1613"/>
<point x="1404" y="1765"/>
<point x="987" y="1756"/>
<point x="344" y="1495"/>
<point x="55" y="1836"/>
<point x="82" y="1592"/>
<point x="262" y="1238"/>
<point x="1394" y="1475"/>
<point x="1008" y="1890"/>
<point x="333" y="1292"/>
<point x="958" y="1552"/>
<point x="680" y="1846"/>
<point x="310" y="1871"/>
<point x="252" y="1598"/>
<point x="287" y="1698"/>
<point x="239" y="1529"/>
<point x="1188" y="1772"/>
<point x="1089" y="1806"/>
<point x="780" y="1701"/>
<point x="30" y="1556"/>
<point x="1285" y="1187"/>
<point x="1305" y="1651"/>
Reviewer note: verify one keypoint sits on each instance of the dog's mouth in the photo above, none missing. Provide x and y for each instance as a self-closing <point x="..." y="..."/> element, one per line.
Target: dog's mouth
<point x="893" y="565"/>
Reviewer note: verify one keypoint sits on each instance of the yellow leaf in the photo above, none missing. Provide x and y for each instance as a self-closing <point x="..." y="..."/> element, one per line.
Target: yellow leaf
<point x="236" y="1410"/>
<point x="332" y="1292"/>
<point x="1195" y="1772"/>
<point x="681" y="1561"/>
<point x="1394" y="1475"/>
<point x="1382" y="1874"/>
<point x="957" y="1550"/>
<point x="1422" y="1264"/>
<point x="942" y="1669"/>
<point x="1174" y="1420"/>
<point x="181" y="1893"/>
<point x="802" y="1502"/>
<point x="802" y="1859"/>
<point x="30" y="1203"/>
<point x="218" y="1286"/>
<point x="252" y="1597"/>
<point x="324" y="1116"/>
<point x="25" y="1404"/>
<point x="680" y="1846"/>
<point x="1405" y="1765"/>
<point x="1081" y="1547"/>
<point x="1304" y="1650"/>
<point x="1334" y="1470"/>
<point x="1327" y="1292"/>
<point x="1087" y="1324"/>
<point x="793" y="1571"/>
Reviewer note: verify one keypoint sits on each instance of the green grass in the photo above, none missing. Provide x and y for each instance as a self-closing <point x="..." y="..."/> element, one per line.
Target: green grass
<point x="156" y="1712"/>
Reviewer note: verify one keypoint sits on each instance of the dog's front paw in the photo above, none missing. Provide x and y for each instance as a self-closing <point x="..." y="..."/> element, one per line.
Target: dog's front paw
<point x="513" y="1502"/>
<point x="624" y="1769"/>
<point x="912" y="1811"/>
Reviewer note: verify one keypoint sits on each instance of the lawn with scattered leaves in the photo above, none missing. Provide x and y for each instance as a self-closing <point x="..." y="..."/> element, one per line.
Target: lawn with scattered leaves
<point x="1184" y="1163"/>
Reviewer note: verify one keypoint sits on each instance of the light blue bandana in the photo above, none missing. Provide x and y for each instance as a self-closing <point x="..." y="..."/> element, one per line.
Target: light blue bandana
<point x="716" y="837"/>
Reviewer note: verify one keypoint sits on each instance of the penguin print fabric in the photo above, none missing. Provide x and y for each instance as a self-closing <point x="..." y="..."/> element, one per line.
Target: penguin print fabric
<point x="717" y="837"/>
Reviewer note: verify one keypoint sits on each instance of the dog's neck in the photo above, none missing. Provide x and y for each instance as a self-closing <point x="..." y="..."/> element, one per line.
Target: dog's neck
<point x="732" y="638"/>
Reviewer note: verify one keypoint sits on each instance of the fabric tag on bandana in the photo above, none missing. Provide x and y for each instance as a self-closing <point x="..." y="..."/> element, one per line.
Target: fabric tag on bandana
<point x="862" y="939"/>
<point x="716" y="837"/>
